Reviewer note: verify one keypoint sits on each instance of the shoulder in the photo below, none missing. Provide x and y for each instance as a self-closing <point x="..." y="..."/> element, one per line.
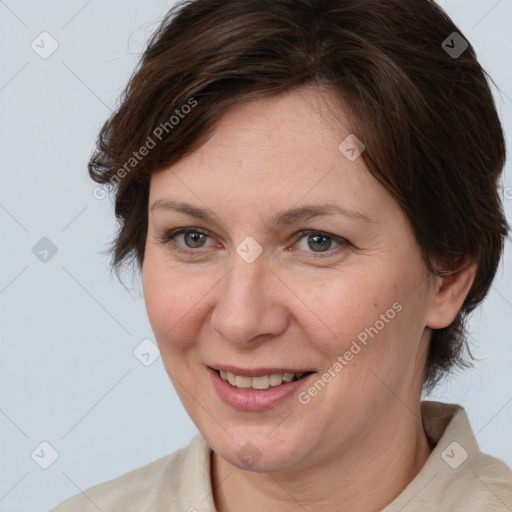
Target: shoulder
<point x="466" y="477"/>
<point x="481" y="483"/>
<point x="457" y="476"/>
<point x="134" y="489"/>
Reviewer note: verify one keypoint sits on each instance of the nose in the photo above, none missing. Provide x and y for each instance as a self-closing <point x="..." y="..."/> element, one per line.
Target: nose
<point x="249" y="308"/>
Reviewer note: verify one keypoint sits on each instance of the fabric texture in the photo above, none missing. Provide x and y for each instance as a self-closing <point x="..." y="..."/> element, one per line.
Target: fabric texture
<point x="456" y="477"/>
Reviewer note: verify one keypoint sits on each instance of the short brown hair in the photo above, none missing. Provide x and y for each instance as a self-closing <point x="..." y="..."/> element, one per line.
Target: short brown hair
<point x="426" y="116"/>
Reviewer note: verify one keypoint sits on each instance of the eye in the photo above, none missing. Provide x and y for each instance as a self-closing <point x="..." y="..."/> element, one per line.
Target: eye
<point x="320" y="242"/>
<point x="193" y="238"/>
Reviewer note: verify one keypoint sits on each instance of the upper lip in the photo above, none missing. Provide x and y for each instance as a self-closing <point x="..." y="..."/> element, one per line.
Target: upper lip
<point x="257" y="372"/>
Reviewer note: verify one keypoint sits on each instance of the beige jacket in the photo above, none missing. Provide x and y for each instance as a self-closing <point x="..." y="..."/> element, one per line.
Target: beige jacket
<point x="456" y="477"/>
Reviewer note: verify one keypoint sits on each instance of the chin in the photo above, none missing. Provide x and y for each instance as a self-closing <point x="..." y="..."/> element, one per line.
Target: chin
<point x="258" y="453"/>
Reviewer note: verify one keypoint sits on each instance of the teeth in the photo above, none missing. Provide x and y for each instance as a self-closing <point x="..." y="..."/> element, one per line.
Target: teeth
<point x="276" y="379"/>
<point x="242" y="382"/>
<point x="288" y="377"/>
<point x="261" y="382"/>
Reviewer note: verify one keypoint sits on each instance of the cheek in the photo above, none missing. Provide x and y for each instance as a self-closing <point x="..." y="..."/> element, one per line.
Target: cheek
<point x="332" y="310"/>
<point x="173" y="301"/>
<point x="344" y="307"/>
<point x="367" y="324"/>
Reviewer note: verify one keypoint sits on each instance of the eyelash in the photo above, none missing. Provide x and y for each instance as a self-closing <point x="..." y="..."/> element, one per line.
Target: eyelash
<point x="169" y="236"/>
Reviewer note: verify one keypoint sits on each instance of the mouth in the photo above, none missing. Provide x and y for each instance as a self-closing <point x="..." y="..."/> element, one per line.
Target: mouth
<point x="260" y="382"/>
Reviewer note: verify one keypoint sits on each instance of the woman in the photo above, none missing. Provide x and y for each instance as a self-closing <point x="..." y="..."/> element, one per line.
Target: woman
<point x="309" y="191"/>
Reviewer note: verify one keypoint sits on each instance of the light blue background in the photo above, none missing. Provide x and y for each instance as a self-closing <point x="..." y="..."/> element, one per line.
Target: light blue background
<point x="68" y="374"/>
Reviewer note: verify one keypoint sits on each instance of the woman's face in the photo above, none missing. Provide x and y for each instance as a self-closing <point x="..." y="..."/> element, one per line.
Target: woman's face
<point x="262" y="292"/>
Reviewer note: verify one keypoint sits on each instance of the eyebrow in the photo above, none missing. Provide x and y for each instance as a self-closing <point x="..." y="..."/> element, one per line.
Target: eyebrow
<point x="283" y="218"/>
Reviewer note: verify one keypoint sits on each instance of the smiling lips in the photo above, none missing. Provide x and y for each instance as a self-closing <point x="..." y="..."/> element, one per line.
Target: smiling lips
<point x="258" y="389"/>
<point x="259" y="379"/>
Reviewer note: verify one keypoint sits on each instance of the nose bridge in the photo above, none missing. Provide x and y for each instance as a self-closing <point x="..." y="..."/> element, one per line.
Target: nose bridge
<point x="245" y="306"/>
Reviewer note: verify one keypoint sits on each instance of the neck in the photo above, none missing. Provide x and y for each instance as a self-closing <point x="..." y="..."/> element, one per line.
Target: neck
<point x="365" y="477"/>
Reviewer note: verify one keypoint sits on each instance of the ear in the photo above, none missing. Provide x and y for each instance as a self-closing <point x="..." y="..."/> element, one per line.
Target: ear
<point x="450" y="293"/>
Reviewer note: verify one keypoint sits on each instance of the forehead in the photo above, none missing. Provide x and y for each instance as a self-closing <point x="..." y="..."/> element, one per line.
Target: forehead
<point x="273" y="152"/>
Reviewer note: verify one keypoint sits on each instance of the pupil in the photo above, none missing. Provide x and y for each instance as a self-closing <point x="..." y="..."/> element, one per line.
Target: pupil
<point x="316" y="237"/>
<point x="194" y="237"/>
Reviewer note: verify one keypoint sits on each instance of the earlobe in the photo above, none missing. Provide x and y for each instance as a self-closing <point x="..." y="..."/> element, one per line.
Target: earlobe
<point x="450" y="293"/>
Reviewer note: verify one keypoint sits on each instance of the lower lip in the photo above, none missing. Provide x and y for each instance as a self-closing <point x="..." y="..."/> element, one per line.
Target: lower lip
<point x="255" y="400"/>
